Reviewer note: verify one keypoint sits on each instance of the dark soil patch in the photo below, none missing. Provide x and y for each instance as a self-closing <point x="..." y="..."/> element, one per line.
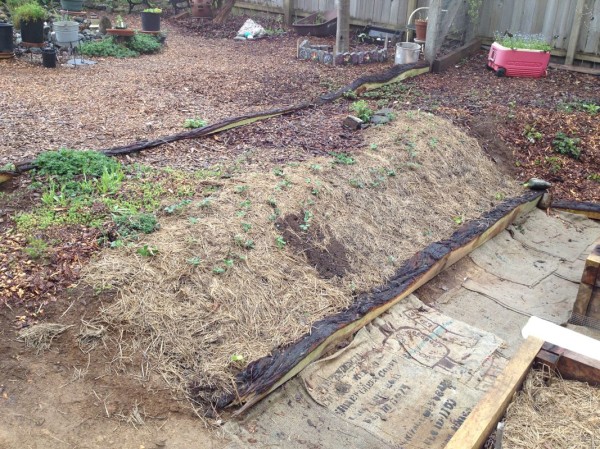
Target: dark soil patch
<point x="327" y="257"/>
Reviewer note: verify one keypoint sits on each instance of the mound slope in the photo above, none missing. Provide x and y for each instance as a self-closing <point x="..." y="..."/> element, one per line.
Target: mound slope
<point x="250" y="268"/>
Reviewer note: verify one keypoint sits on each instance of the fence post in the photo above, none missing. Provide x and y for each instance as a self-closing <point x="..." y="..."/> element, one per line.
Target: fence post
<point x="288" y="11"/>
<point x="434" y="26"/>
<point x="574" y="36"/>
<point x="412" y="5"/>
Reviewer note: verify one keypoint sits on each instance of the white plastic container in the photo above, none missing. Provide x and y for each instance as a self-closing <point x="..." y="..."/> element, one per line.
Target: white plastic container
<point x="407" y="53"/>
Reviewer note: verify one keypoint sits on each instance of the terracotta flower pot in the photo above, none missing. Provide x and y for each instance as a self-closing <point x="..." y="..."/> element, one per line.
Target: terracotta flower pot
<point x="421" y="29"/>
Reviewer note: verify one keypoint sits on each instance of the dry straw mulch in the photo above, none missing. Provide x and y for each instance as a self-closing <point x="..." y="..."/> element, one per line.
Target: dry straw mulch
<point x="552" y="413"/>
<point x="223" y="289"/>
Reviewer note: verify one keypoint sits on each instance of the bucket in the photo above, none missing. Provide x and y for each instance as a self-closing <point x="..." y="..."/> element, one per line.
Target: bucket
<point x="49" y="58"/>
<point x="6" y="38"/>
<point x="32" y="32"/>
<point x="66" y="32"/>
<point x="150" y="21"/>
<point x="407" y="53"/>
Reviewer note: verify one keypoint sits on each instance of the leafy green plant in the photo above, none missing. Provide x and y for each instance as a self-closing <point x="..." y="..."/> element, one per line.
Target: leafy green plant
<point x="67" y="164"/>
<point x="342" y="158"/>
<point x="240" y="189"/>
<point x="278" y="171"/>
<point x="246" y="227"/>
<point x="459" y="219"/>
<point x="590" y="108"/>
<point x="143" y="44"/>
<point x="130" y="225"/>
<point x="362" y="110"/>
<point x="153" y="10"/>
<point x="195" y="261"/>
<point x="594" y="177"/>
<point x="523" y="41"/>
<point x="555" y="163"/>
<point x="171" y="209"/>
<point x="532" y="134"/>
<point x="280" y="242"/>
<point x="308" y="215"/>
<point x="243" y="242"/>
<point x="193" y="123"/>
<point x="36" y="248"/>
<point x="566" y="145"/>
<point x="357" y="183"/>
<point x="106" y="47"/>
<point x="28" y="12"/>
<point x="147" y="251"/>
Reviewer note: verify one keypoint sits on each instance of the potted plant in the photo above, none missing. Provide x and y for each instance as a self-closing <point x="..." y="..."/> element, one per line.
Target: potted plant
<point x="420" y="29"/>
<point x="71" y="5"/>
<point x="519" y="55"/>
<point x="120" y="28"/>
<point x="29" y="18"/>
<point x="151" y="19"/>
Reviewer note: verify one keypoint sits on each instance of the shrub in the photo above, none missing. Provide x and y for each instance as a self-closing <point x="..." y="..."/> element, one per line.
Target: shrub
<point x="524" y="41"/>
<point x="27" y="13"/>
<point x="362" y="110"/>
<point x="67" y="164"/>
<point x="566" y="145"/>
<point x="139" y="44"/>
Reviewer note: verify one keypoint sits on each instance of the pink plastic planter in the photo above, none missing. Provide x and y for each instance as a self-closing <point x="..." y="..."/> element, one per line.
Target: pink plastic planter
<point x="518" y="62"/>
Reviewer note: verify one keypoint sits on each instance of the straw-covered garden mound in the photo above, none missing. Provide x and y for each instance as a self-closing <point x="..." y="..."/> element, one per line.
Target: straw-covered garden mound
<point x="233" y="275"/>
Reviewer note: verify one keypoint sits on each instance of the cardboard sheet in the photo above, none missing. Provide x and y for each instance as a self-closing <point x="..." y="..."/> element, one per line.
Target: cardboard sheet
<point x="507" y="258"/>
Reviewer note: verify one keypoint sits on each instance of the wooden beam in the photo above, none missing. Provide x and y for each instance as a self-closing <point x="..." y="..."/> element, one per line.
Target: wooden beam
<point x="486" y="414"/>
<point x="443" y="63"/>
<point x="590" y="210"/>
<point x="574" y="36"/>
<point x="263" y="376"/>
<point x="573" y="68"/>
<point x="591" y="272"/>
<point x="574" y="366"/>
<point x="434" y="28"/>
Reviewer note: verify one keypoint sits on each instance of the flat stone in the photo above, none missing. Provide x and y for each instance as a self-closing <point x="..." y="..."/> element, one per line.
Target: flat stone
<point x="353" y="122"/>
<point x="380" y="119"/>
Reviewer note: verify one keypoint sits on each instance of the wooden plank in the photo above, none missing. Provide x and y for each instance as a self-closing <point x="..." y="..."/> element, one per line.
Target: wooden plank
<point x="546" y="358"/>
<point x="573" y="68"/>
<point x="415" y="273"/>
<point x="582" y="302"/>
<point x="484" y="417"/>
<point x="447" y="61"/>
<point x="574" y="36"/>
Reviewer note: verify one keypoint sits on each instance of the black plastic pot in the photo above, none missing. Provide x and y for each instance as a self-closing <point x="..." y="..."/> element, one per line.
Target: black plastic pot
<point x="6" y="38"/>
<point x="49" y="58"/>
<point x="32" y="32"/>
<point x="150" y="21"/>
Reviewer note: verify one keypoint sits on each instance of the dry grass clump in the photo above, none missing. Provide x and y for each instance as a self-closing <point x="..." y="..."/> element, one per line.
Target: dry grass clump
<point x="40" y="336"/>
<point x="553" y="413"/>
<point x="225" y="286"/>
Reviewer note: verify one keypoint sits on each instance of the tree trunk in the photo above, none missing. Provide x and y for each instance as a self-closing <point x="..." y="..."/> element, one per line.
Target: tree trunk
<point x="342" y="41"/>
<point x="224" y="12"/>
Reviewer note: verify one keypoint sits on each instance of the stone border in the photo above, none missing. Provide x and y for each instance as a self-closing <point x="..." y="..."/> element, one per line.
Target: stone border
<point x="324" y="54"/>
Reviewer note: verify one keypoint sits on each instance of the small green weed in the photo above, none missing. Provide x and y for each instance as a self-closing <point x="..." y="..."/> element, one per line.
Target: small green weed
<point x="532" y="134"/>
<point x="193" y="123"/>
<point x="555" y="163"/>
<point x="277" y="171"/>
<point x="280" y="242"/>
<point x="147" y="251"/>
<point x="308" y="215"/>
<point x="316" y="168"/>
<point x="195" y="261"/>
<point x="594" y="177"/>
<point x="342" y="158"/>
<point x="362" y="110"/>
<point x="36" y="248"/>
<point x="177" y="207"/>
<point x="566" y="145"/>
<point x="240" y="189"/>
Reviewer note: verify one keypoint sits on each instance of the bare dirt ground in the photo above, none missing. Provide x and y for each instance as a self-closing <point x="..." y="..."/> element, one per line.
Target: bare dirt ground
<point x="61" y="398"/>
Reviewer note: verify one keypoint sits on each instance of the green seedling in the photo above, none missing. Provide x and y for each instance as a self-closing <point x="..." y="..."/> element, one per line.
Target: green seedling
<point x="147" y="251"/>
<point x="280" y="242"/>
<point x="194" y="123"/>
<point x="195" y="261"/>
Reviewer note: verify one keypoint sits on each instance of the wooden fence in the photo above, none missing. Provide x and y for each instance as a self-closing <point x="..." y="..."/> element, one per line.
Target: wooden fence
<point x="552" y="18"/>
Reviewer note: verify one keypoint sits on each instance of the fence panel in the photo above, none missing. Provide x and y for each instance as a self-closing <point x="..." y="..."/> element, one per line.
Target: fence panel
<point x="552" y="18"/>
